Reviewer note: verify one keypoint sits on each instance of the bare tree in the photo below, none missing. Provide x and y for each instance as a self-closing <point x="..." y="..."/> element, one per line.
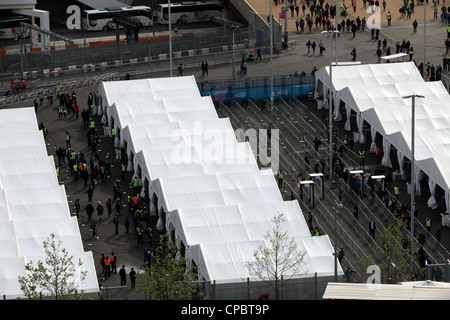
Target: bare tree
<point x="279" y="260"/>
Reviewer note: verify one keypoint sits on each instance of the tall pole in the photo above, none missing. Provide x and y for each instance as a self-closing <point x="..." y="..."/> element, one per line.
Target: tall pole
<point x="170" y="38"/>
<point x="413" y="170"/>
<point x="424" y="37"/>
<point x="330" y="106"/>
<point x="336" y="30"/>
<point x="271" y="62"/>
<point x="234" y="57"/>
<point x="413" y="174"/>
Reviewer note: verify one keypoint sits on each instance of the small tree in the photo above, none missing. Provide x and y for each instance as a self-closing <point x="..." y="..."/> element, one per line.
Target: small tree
<point x="397" y="252"/>
<point x="53" y="278"/>
<point x="168" y="277"/>
<point x="279" y="260"/>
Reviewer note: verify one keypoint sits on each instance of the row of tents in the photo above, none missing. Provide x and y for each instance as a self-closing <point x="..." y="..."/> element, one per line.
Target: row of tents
<point x="206" y="185"/>
<point x="33" y="205"/>
<point x="376" y="94"/>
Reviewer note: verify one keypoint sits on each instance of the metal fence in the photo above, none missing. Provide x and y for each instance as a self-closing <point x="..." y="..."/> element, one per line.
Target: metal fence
<point x="153" y="46"/>
<point x="241" y="90"/>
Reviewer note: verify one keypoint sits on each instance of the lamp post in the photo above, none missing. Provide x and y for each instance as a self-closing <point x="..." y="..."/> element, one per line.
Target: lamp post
<point x="424" y="36"/>
<point x="170" y="37"/>
<point x="340" y="206"/>
<point x="271" y="61"/>
<point x="233" y="27"/>
<point x="413" y="98"/>
<point x="330" y="104"/>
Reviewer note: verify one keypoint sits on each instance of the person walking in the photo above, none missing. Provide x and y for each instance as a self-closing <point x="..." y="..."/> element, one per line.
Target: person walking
<point x="116" y="223"/>
<point x="113" y="262"/>
<point x="372" y="229"/>
<point x="109" y="207"/>
<point x="280" y="178"/>
<point x="123" y="276"/>
<point x="428" y="223"/>
<point x="126" y="222"/>
<point x="396" y="192"/>
<point x="94" y="227"/>
<point x="415" y="24"/>
<point x="353" y="54"/>
<point x="411" y="53"/>
<point x="90" y="193"/>
<point x="89" y="210"/>
<point x="139" y="235"/>
<point x="99" y="210"/>
<point x="68" y="139"/>
<point x="107" y="266"/>
<point x="133" y="277"/>
<point x="77" y="207"/>
<point x="180" y="70"/>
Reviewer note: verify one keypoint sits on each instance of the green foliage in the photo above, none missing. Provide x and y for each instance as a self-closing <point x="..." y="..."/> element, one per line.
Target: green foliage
<point x="55" y="277"/>
<point x="168" y="277"/>
<point x="397" y="253"/>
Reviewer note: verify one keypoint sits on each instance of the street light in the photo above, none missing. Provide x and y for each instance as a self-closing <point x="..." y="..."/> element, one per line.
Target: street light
<point x="170" y="38"/>
<point x="413" y="98"/>
<point x="233" y="27"/>
<point x="330" y="117"/>
<point x="340" y="206"/>
<point x="271" y="61"/>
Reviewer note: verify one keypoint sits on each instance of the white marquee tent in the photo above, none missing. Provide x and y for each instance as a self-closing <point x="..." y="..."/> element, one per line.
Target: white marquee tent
<point x="32" y="205"/>
<point x="374" y="93"/>
<point x="207" y="183"/>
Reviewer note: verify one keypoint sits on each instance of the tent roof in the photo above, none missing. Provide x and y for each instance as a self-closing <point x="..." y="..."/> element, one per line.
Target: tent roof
<point x="376" y="93"/>
<point x="226" y="262"/>
<point x="403" y="291"/>
<point x="208" y="183"/>
<point x="369" y="74"/>
<point x="144" y="90"/>
<point x="32" y="204"/>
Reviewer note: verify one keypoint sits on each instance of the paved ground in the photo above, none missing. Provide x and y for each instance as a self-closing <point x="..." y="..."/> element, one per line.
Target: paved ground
<point x="125" y="245"/>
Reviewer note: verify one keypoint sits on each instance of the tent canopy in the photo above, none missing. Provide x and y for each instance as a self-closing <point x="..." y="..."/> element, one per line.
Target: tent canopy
<point x="32" y="204"/>
<point x="377" y="94"/>
<point x="208" y="184"/>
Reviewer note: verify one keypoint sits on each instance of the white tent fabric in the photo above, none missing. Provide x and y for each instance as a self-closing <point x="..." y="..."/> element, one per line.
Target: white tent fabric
<point x="375" y="93"/>
<point x="32" y="204"/>
<point x="208" y="184"/>
<point x="145" y="90"/>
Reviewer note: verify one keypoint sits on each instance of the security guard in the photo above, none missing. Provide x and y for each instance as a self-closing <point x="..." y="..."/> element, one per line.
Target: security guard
<point x="362" y="154"/>
<point x="411" y="53"/>
<point x="280" y="178"/>
<point x="113" y="133"/>
<point x="75" y="171"/>
<point x="389" y="18"/>
<point x="316" y="232"/>
<point x="67" y="139"/>
<point x="396" y="192"/>
<point x="428" y="223"/>
<point x="60" y="112"/>
<point x="57" y="174"/>
<point x="139" y="234"/>
<point x="92" y="125"/>
<point x="124" y="168"/>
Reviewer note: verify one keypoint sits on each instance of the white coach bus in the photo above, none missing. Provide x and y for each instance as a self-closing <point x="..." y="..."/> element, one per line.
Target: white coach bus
<point x="189" y="11"/>
<point x="101" y="19"/>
